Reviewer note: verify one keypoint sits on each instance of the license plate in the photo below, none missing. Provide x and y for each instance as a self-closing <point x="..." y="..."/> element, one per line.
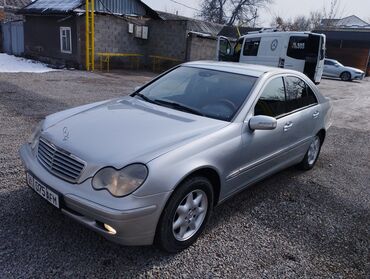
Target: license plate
<point x="42" y="190"/>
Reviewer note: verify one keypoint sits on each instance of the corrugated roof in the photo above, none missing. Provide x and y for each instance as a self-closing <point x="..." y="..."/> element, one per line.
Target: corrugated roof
<point x="51" y="6"/>
<point x="169" y="16"/>
<point x="121" y="7"/>
<point x="204" y="27"/>
<point x="17" y="3"/>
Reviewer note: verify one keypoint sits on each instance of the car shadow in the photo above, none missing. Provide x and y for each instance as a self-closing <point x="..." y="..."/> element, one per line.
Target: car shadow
<point x="338" y="79"/>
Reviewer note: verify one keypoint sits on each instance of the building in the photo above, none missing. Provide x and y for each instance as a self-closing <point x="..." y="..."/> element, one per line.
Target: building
<point x="55" y="32"/>
<point x="346" y="22"/>
<point x="348" y="41"/>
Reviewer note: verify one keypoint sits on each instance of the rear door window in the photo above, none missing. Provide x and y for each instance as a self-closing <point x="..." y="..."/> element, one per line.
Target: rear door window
<point x="296" y="47"/>
<point x="251" y="47"/>
<point x="272" y="100"/>
<point x="298" y="94"/>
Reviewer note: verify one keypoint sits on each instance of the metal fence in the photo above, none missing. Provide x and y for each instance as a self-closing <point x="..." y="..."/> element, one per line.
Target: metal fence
<point x="13" y="37"/>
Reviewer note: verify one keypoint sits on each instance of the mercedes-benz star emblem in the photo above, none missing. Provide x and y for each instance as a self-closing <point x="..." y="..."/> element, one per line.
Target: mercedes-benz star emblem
<point x="65" y="134"/>
<point x="274" y="44"/>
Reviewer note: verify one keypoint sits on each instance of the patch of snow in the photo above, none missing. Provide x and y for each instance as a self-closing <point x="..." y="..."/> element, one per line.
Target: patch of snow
<point x="13" y="64"/>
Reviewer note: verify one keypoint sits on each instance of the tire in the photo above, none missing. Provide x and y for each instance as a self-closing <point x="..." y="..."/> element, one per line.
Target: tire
<point x="171" y="235"/>
<point x="312" y="154"/>
<point x="345" y="76"/>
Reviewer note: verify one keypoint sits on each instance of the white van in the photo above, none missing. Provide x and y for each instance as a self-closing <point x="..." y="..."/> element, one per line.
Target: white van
<point x="300" y="51"/>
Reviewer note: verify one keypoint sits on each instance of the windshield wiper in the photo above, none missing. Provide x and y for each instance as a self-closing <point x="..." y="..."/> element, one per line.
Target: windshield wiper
<point x="145" y="98"/>
<point x="178" y="106"/>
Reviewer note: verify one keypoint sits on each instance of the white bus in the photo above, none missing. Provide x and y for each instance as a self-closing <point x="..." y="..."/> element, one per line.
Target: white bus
<point x="300" y="51"/>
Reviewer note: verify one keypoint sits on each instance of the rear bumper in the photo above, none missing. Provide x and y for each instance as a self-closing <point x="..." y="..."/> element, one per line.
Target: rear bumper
<point x="134" y="219"/>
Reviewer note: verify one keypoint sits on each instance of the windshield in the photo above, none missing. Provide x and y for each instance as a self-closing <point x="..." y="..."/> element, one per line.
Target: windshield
<point x="204" y="92"/>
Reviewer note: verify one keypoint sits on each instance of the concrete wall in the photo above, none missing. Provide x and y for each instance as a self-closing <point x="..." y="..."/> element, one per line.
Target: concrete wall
<point x="167" y="38"/>
<point x="201" y="48"/>
<point x="111" y="35"/>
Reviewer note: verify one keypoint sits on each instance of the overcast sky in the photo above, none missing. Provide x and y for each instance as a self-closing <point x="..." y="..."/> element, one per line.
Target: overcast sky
<point x="284" y="8"/>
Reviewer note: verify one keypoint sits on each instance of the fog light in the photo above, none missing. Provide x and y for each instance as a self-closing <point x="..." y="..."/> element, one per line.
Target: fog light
<point x="110" y="229"/>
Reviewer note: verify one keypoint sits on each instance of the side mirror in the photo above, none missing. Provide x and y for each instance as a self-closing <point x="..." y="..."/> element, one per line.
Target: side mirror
<point x="262" y="122"/>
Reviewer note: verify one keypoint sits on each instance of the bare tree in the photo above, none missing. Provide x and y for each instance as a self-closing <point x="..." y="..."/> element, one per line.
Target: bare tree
<point x="213" y="11"/>
<point x="326" y="18"/>
<point x="315" y="18"/>
<point x="299" y="23"/>
<point x="230" y="12"/>
<point x="330" y="14"/>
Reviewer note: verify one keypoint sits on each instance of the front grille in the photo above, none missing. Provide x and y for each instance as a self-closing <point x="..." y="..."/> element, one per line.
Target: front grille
<point x="59" y="162"/>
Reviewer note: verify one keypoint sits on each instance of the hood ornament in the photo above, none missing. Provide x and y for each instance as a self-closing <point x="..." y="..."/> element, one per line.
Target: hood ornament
<point x="65" y="134"/>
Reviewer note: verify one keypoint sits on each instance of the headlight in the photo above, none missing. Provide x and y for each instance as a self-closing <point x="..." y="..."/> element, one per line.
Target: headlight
<point x="120" y="182"/>
<point x="34" y="137"/>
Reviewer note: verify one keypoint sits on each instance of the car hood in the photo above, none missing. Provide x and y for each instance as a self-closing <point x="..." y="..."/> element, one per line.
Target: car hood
<point x="124" y="131"/>
<point x="353" y="69"/>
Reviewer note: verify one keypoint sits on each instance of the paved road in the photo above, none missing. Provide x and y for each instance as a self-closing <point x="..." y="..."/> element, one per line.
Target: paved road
<point x="294" y="224"/>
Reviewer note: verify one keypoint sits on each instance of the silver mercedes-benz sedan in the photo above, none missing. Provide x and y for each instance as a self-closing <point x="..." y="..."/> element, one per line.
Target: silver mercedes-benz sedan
<point x="150" y="167"/>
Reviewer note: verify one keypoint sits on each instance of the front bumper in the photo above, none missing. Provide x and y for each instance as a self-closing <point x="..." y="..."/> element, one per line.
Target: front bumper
<point x="134" y="218"/>
<point x="359" y="76"/>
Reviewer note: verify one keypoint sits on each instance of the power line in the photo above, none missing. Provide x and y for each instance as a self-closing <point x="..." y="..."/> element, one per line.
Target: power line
<point x="182" y="4"/>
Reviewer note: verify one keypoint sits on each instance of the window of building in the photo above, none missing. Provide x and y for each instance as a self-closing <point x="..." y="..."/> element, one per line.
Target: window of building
<point x="298" y="94"/>
<point x="251" y="47"/>
<point x="141" y="32"/>
<point x="272" y="100"/>
<point x="65" y="40"/>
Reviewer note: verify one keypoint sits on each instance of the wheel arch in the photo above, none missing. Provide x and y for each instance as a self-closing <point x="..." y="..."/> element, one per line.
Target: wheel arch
<point x="322" y="135"/>
<point x="204" y="171"/>
<point x="210" y="173"/>
<point x="346" y="71"/>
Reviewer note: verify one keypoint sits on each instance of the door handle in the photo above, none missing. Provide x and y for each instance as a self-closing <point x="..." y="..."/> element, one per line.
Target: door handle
<point x="288" y="125"/>
<point x="316" y="114"/>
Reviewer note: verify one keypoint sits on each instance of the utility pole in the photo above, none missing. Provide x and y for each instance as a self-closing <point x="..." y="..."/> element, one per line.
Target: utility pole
<point x="90" y="34"/>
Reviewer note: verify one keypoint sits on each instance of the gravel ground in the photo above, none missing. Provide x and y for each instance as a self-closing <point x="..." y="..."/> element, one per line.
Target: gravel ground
<point x="312" y="224"/>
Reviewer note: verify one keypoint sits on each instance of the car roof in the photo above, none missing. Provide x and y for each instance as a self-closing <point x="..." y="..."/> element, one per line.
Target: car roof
<point x="237" y="68"/>
<point x="278" y="33"/>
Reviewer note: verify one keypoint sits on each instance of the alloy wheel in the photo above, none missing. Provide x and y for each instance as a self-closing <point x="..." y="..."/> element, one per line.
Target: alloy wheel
<point x="189" y="215"/>
<point x="313" y="150"/>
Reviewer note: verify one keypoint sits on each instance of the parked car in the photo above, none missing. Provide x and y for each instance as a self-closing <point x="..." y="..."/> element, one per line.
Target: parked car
<point x="149" y="167"/>
<point x="332" y="68"/>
